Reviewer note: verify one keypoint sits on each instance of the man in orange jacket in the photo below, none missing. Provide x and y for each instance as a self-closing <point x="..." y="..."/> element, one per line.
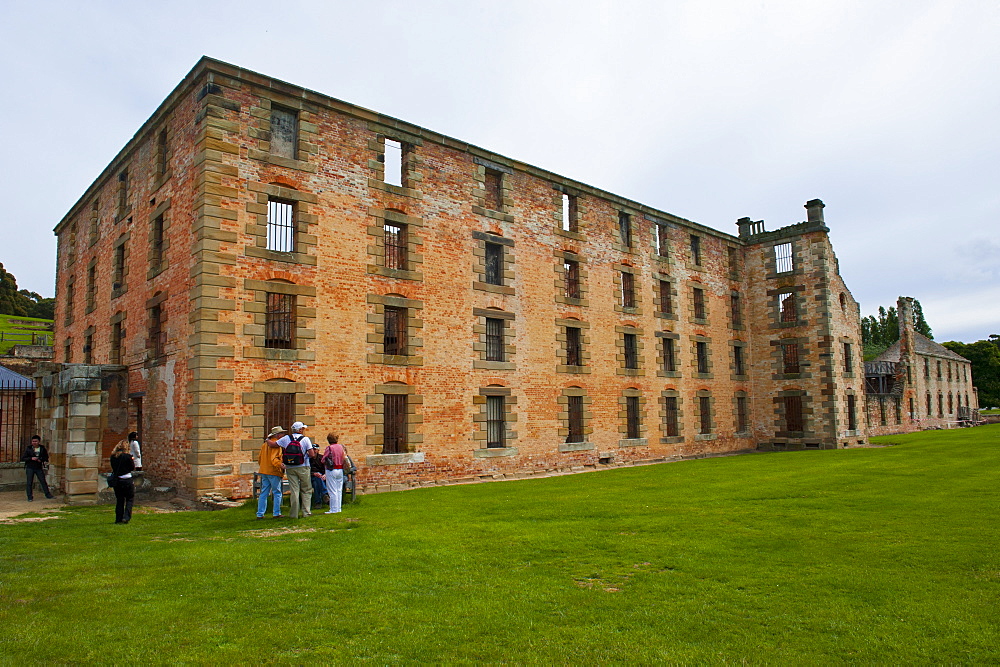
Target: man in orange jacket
<point x="271" y="471"/>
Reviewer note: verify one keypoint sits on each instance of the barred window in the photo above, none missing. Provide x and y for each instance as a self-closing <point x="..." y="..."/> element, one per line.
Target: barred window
<point x="793" y="414"/>
<point x="496" y="425"/>
<point x="88" y="348"/>
<point x="631" y="351"/>
<point x="494" y="190"/>
<point x="631" y="417"/>
<point x="783" y="259"/>
<point x="670" y="417"/>
<point x="696" y="249"/>
<point x="91" y="288"/>
<point x="625" y="228"/>
<point x="852" y="417"/>
<point x="669" y="355"/>
<point x="790" y="358"/>
<point x="395" y="245"/>
<point x="849" y="358"/>
<point x="575" y="420"/>
<point x="666" y="297"/>
<point x="930" y="406"/>
<point x="741" y="414"/>
<point x="571" y="269"/>
<point x="788" y="307"/>
<point x="280" y="225"/>
<point x="494" y="263"/>
<point x="573" y="347"/>
<point x="279" y="321"/>
<point x="736" y="308"/>
<point x="157" y="336"/>
<point x="628" y="290"/>
<point x="279" y="410"/>
<point x="701" y="350"/>
<point x="494" y="339"/>
<point x="698" y="296"/>
<point x="394" y="424"/>
<point x="739" y="363"/>
<point x="927" y="370"/>
<point x="705" y="408"/>
<point x="394" y="331"/>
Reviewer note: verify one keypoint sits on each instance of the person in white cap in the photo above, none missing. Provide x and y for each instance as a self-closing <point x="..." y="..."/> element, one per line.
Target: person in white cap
<point x="295" y="448"/>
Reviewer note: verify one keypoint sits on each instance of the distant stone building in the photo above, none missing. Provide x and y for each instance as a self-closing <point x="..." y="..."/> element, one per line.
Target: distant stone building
<point x="260" y="253"/>
<point x="917" y="383"/>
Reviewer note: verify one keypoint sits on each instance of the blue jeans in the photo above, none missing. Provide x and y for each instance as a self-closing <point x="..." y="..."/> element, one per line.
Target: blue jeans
<point x="319" y="488"/>
<point x="269" y="485"/>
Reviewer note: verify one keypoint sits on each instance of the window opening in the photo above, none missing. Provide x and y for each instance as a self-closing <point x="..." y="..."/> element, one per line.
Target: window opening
<point x="852" y="417"/>
<point x="666" y="298"/>
<point x="156" y="258"/>
<point x="788" y="307"/>
<point x="741" y="414"/>
<point x="494" y="263"/>
<point x="790" y="358"/>
<point x="395" y="245"/>
<point x="632" y="417"/>
<point x="793" y="413"/>
<point x="496" y="426"/>
<point x="701" y="349"/>
<point x="394" y="414"/>
<point x="161" y="153"/>
<point x="157" y="336"/>
<point x="849" y="358"/>
<point x="279" y="321"/>
<point x="569" y="213"/>
<point x="118" y="271"/>
<point x="662" y="240"/>
<point x="738" y="361"/>
<point x="736" y="306"/>
<point x="394" y="335"/>
<point x="625" y="228"/>
<point x="279" y="410"/>
<point x="571" y="269"/>
<point x="494" y="194"/>
<point x="705" y="408"/>
<point x="628" y="290"/>
<point x="698" y="296"/>
<point x="670" y="417"/>
<point x="631" y="351"/>
<point x="669" y="355"/>
<point x="280" y="225"/>
<point x="573" y="357"/>
<point x="783" y="260"/>
<point x="494" y="339"/>
<point x="393" y="162"/>
<point x="115" y="356"/>
<point x="284" y="132"/>
<point x="696" y="249"/>
<point x="575" y="414"/>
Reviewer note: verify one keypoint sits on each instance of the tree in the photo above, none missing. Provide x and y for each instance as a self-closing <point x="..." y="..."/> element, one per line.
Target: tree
<point x="919" y="323"/>
<point x="985" y="358"/>
<point x="22" y="302"/>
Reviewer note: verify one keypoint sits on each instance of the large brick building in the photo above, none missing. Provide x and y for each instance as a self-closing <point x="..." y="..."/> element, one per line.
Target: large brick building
<point x="259" y="252"/>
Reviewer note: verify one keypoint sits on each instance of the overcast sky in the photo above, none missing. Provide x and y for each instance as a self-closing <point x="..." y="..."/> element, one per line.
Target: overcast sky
<point x="887" y="111"/>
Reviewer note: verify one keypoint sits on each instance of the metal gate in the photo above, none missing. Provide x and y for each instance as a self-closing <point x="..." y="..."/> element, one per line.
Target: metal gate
<point x="17" y="414"/>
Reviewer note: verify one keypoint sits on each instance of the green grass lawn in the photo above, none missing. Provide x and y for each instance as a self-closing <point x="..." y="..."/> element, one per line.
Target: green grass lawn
<point x="22" y="327"/>
<point x="883" y="555"/>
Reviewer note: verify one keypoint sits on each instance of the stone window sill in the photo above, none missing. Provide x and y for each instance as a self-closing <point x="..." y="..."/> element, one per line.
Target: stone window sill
<point x="394" y="459"/>
<point x="576" y="446"/>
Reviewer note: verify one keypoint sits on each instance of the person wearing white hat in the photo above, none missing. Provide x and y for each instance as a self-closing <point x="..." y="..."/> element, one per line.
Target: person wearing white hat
<point x="295" y="448"/>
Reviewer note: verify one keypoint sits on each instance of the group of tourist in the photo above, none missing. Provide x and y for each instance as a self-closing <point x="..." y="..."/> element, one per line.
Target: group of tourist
<point x="309" y="472"/>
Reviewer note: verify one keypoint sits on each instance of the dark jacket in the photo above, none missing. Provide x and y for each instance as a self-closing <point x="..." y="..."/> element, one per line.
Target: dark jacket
<point x="29" y="452"/>
<point x="122" y="464"/>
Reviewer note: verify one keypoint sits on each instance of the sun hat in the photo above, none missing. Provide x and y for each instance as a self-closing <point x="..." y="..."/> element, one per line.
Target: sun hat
<point x="276" y="430"/>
